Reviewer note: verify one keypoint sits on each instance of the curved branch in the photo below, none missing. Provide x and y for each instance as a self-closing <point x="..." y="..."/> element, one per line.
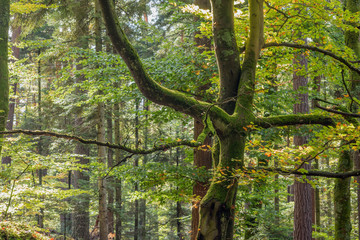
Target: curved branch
<point x="348" y="114"/>
<point x="160" y="147"/>
<point x="294" y="119"/>
<point x="316" y="49"/>
<point x="149" y="88"/>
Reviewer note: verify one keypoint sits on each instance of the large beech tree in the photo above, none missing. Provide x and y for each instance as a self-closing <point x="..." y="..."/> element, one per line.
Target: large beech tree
<point x="4" y="73"/>
<point x="229" y="117"/>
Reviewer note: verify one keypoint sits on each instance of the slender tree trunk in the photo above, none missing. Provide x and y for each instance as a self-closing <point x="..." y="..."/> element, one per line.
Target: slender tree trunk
<point x="12" y="102"/>
<point x="142" y="202"/>
<point x="136" y="164"/>
<point x="81" y="220"/>
<point x="302" y="190"/>
<point x="41" y="171"/>
<point x="103" y="221"/>
<point x="357" y="167"/>
<point x="4" y="72"/>
<point x="110" y="185"/>
<point x="118" y="193"/>
<point x="201" y="158"/>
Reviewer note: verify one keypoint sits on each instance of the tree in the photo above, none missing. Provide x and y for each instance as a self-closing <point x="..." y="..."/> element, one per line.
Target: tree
<point x="4" y="75"/>
<point x="342" y="196"/>
<point x="229" y="118"/>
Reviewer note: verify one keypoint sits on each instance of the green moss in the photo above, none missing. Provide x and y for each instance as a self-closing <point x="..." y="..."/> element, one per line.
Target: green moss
<point x="342" y="199"/>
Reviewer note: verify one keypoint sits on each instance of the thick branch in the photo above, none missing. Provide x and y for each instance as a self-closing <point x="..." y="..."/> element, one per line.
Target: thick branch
<point x="314" y="173"/>
<point x="227" y="53"/>
<point x="151" y="89"/>
<point x="313" y="48"/>
<point x="160" y="147"/>
<point x="294" y="119"/>
<point x="253" y="47"/>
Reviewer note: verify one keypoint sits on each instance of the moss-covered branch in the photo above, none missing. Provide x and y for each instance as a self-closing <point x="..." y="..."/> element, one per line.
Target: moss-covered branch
<point x="315" y="173"/>
<point x="160" y="147"/>
<point x="294" y="119"/>
<point x="316" y="49"/>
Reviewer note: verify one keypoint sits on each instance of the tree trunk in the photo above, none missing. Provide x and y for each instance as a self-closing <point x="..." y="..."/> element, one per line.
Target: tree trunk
<point x="357" y="167"/>
<point x="136" y="164"/>
<point x="201" y="158"/>
<point x="142" y="203"/>
<point x="4" y="72"/>
<point x="302" y="190"/>
<point x="110" y="182"/>
<point x="81" y="220"/>
<point x="118" y="192"/>
<point x="12" y="102"/>
<point x="41" y="171"/>
<point x="342" y="199"/>
<point x="218" y="206"/>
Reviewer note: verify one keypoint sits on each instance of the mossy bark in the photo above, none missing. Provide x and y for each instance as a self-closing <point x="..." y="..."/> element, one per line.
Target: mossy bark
<point x="218" y="206"/>
<point x="4" y="72"/>
<point x="342" y="199"/>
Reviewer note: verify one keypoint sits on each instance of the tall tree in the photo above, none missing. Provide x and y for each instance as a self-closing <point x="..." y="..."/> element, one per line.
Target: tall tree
<point x="302" y="190"/>
<point x="201" y="158"/>
<point x="342" y="197"/>
<point x="81" y="219"/>
<point x="16" y="30"/>
<point x="103" y="215"/>
<point x="4" y="72"/>
<point x="228" y="118"/>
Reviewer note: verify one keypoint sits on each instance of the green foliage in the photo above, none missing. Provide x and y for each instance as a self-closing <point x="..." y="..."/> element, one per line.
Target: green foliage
<point x="16" y="231"/>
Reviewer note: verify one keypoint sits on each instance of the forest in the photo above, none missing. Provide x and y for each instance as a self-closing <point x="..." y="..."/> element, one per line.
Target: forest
<point x="179" y="119"/>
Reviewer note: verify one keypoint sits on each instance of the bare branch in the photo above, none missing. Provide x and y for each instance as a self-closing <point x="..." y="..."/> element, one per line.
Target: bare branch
<point x="338" y="112"/>
<point x="159" y="147"/>
<point x="313" y="48"/>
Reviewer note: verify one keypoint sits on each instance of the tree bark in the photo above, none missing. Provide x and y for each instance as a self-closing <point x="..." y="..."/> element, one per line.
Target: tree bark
<point x="4" y="72"/>
<point x="136" y="164"/>
<point x="342" y="208"/>
<point x="110" y="162"/>
<point x="302" y="190"/>
<point x="201" y="158"/>
<point x="81" y="219"/>
<point x="118" y="190"/>
<point x="10" y="121"/>
<point x="342" y="198"/>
